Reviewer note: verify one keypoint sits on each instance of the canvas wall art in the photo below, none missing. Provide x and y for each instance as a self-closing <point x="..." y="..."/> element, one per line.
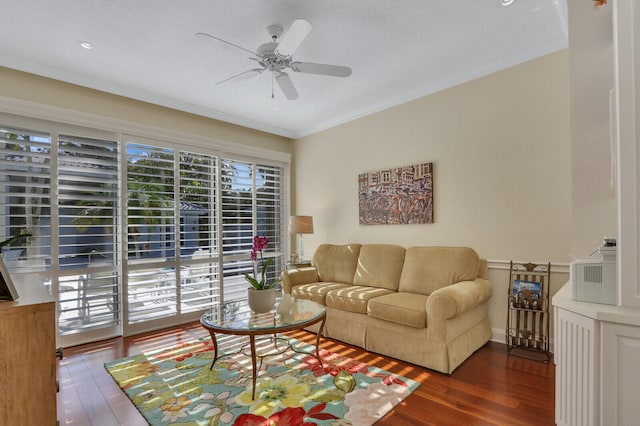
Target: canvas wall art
<point x="397" y="196"/>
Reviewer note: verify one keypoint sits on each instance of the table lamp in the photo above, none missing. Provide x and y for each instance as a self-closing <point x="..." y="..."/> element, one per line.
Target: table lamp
<point x="300" y="225"/>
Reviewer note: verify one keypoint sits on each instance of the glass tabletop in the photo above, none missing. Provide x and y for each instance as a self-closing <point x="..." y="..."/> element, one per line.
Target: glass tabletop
<point x="236" y="316"/>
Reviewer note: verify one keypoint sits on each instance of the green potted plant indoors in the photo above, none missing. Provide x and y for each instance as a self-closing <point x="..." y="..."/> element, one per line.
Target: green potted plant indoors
<point x="262" y="293"/>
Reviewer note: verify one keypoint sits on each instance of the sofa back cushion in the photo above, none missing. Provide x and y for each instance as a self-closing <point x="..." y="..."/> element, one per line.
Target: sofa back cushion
<point x="380" y="265"/>
<point x="426" y="269"/>
<point x="336" y="263"/>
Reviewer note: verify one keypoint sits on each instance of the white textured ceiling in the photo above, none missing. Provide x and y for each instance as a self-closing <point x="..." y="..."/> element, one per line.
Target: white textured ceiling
<point x="399" y="50"/>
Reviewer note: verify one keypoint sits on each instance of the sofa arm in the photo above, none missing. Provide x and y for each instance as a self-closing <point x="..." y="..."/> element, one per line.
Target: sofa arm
<point x="453" y="300"/>
<point x="294" y="277"/>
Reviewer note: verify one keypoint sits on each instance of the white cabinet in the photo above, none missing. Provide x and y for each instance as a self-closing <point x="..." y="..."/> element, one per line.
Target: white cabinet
<point x="621" y="374"/>
<point x="577" y="369"/>
<point x="597" y="356"/>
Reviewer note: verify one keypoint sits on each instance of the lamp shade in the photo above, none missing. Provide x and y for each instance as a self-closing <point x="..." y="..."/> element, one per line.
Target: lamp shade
<point x="301" y="225"/>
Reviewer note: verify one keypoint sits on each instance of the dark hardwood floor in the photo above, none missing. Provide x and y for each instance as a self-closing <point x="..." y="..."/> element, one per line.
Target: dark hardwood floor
<point x="490" y="388"/>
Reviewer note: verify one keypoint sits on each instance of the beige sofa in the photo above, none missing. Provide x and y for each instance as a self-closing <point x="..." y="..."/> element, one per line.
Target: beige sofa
<point x="424" y="305"/>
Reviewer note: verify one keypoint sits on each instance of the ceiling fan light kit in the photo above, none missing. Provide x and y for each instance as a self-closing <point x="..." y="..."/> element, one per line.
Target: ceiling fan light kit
<point x="276" y="57"/>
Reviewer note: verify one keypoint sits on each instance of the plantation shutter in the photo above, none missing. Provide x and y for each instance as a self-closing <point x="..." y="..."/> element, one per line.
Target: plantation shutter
<point x="150" y="203"/>
<point x="87" y="233"/>
<point x="252" y="204"/>
<point x="25" y="179"/>
<point x="199" y="260"/>
<point x="236" y="180"/>
<point x="270" y="214"/>
<point x="151" y="234"/>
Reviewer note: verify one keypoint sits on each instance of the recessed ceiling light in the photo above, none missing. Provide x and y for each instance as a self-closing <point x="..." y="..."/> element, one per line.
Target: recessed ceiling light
<point x="506" y="2"/>
<point x="86" y="45"/>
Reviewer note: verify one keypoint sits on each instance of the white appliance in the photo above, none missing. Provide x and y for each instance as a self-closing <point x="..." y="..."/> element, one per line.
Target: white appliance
<point x="593" y="279"/>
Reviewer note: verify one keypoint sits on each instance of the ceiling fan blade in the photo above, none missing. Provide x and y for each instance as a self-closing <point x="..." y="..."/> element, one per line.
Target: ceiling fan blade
<point x="243" y="75"/>
<point x="226" y="42"/>
<point x="286" y="85"/>
<point x="322" y="69"/>
<point x="298" y="31"/>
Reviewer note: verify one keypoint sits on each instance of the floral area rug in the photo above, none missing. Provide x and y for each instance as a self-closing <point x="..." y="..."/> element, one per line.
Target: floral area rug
<point x="174" y="386"/>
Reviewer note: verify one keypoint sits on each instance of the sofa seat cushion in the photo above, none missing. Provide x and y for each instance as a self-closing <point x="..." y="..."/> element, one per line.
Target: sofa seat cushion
<point x="315" y="291"/>
<point x="354" y="298"/>
<point x="401" y="308"/>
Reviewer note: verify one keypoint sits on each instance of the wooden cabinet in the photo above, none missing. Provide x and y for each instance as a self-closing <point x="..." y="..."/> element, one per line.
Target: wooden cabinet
<point x="28" y="357"/>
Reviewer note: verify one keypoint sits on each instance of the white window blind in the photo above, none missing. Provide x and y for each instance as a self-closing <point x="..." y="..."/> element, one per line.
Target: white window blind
<point x="237" y="209"/>
<point x="199" y="271"/>
<point x="88" y="291"/>
<point x="25" y="179"/>
<point x="151" y="237"/>
<point x="236" y="180"/>
<point x="88" y="201"/>
<point x="150" y="203"/>
<point x="252" y="204"/>
<point x="270" y="214"/>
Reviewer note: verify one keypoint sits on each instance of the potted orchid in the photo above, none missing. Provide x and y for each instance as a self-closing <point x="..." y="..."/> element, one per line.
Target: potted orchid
<point x="259" y="244"/>
<point x="262" y="293"/>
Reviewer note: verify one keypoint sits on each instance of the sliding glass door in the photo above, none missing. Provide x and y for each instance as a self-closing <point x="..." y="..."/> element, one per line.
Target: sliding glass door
<point x="132" y="234"/>
<point x="87" y="258"/>
<point x="74" y="245"/>
<point x="251" y="204"/>
<point x="191" y="218"/>
<point x="199" y="272"/>
<point x="150" y="283"/>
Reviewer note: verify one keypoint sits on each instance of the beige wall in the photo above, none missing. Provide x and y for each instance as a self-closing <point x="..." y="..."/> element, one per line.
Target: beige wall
<point x="501" y="154"/>
<point x="28" y="87"/>
<point x="500" y="148"/>
<point x="593" y="196"/>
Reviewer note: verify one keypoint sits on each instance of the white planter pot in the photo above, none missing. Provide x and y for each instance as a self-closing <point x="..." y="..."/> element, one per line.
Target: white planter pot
<point x="261" y="301"/>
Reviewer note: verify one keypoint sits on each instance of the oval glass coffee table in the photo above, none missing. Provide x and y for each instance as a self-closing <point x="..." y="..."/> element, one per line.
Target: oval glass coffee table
<point x="236" y="318"/>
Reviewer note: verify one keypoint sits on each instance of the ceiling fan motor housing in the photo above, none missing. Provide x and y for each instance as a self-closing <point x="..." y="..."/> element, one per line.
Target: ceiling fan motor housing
<point x="269" y="59"/>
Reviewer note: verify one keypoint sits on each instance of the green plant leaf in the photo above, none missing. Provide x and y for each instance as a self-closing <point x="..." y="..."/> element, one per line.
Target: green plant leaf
<point x="265" y="266"/>
<point x="271" y="284"/>
<point x="253" y="282"/>
<point x="22" y="234"/>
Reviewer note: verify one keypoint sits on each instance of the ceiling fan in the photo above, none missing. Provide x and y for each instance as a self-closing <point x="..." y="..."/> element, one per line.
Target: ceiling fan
<point x="276" y="57"/>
